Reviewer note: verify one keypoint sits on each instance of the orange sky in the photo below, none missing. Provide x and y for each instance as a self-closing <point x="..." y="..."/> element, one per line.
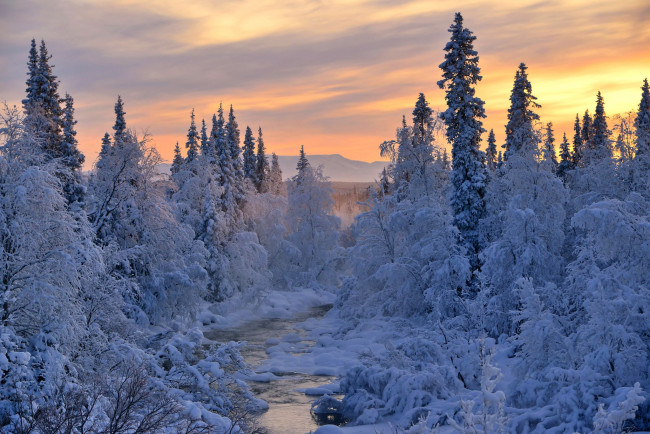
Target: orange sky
<point x="335" y="76"/>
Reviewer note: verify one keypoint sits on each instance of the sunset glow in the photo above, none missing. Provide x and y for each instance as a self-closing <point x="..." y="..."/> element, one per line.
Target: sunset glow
<point x="334" y="76"/>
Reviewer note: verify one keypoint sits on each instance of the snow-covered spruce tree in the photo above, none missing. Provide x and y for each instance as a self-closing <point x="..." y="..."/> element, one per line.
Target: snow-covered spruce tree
<point x="43" y="104"/>
<point x="641" y="165"/>
<point x="464" y="128"/>
<point x="249" y="154"/>
<point x="177" y="162"/>
<point x="415" y="156"/>
<point x="519" y="129"/>
<point x="205" y="141"/>
<point x="276" y="183"/>
<point x="232" y="133"/>
<point x="577" y="143"/>
<point x="525" y="216"/>
<point x="597" y="177"/>
<point x="312" y="227"/>
<point x="600" y="146"/>
<point x="548" y="151"/>
<point x="70" y="157"/>
<point x="261" y="165"/>
<point x="586" y="132"/>
<point x="491" y="152"/>
<point x="192" y="143"/>
<point x="226" y="176"/>
<point x="303" y="162"/>
<point x="566" y="162"/>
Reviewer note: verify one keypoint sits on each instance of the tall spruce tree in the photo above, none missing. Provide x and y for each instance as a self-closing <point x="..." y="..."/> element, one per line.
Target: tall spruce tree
<point x="585" y="134"/>
<point x="276" y="184"/>
<point x="577" y="144"/>
<point x="520" y="133"/>
<point x="178" y="161"/>
<point x="204" y="137"/>
<point x="232" y="136"/>
<point x="491" y="152"/>
<point x="233" y="140"/>
<point x="302" y="165"/>
<point x="32" y="73"/>
<point x="600" y="144"/>
<point x="119" y="128"/>
<point x="463" y="116"/>
<point x="548" y="152"/>
<point x="566" y="162"/>
<point x="42" y="105"/>
<point x="261" y="164"/>
<point x="249" y="154"/>
<point x="193" y="140"/>
<point x="71" y="158"/>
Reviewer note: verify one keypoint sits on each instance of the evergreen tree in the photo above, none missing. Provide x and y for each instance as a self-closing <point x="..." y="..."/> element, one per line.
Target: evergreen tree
<point x="48" y="97"/>
<point x="204" y="138"/>
<point x="249" y="154"/>
<point x="120" y="123"/>
<point x="600" y="145"/>
<point x="566" y="162"/>
<point x="276" y="184"/>
<point x="192" y="144"/>
<point x="384" y="183"/>
<point x="520" y="133"/>
<point x="585" y="134"/>
<point x="491" y="153"/>
<point x="44" y="115"/>
<point x="106" y="144"/>
<point x="178" y="161"/>
<point x="577" y="144"/>
<point x="71" y="158"/>
<point x="232" y="132"/>
<point x="415" y="160"/>
<point x="302" y="165"/>
<point x="232" y="139"/>
<point x="32" y="73"/>
<point x="642" y="157"/>
<point x="261" y="164"/>
<point x="548" y="152"/>
<point x="463" y="117"/>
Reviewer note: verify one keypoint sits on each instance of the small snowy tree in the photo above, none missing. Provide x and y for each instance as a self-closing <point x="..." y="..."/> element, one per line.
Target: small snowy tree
<point x="566" y="162"/>
<point x="192" y="144"/>
<point x="313" y="228"/>
<point x="491" y="153"/>
<point x="249" y="154"/>
<point x="261" y="165"/>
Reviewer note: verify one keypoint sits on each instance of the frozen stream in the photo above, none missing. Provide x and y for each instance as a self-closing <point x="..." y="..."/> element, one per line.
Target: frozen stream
<point x="289" y="406"/>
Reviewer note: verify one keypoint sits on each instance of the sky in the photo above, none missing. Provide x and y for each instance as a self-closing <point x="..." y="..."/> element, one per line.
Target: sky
<point x="333" y="75"/>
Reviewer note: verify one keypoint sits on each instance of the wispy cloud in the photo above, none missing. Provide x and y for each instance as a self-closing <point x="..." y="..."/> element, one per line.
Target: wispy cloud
<point x="334" y="75"/>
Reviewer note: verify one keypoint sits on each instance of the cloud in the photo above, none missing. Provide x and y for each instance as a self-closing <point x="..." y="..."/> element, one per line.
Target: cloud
<point x="333" y="75"/>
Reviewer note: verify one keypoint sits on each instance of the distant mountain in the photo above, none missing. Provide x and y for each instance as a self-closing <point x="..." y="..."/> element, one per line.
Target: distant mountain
<point x="336" y="167"/>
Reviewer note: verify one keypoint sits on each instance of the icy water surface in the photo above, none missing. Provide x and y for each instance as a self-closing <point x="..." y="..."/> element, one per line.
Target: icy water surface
<point x="289" y="409"/>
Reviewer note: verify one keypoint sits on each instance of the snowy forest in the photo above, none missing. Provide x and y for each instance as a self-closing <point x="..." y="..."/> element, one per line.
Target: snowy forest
<point x="495" y="288"/>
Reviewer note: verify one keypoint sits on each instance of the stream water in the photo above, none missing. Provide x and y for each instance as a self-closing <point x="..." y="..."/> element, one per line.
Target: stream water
<point x="289" y="408"/>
